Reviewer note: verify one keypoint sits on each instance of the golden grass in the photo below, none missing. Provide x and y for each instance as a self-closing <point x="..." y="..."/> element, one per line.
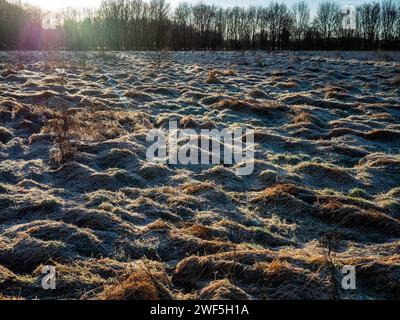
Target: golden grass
<point x="159" y="224"/>
<point x="229" y="72"/>
<point x="222" y="290"/>
<point x="193" y="188"/>
<point x="303" y="117"/>
<point x="197" y="230"/>
<point x="277" y="190"/>
<point x="148" y="282"/>
<point x="334" y="92"/>
<point x="4" y="298"/>
<point x="8" y="71"/>
<point x="276" y="268"/>
<point x="266" y="108"/>
<point x="277" y="73"/>
<point x="138" y="286"/>
<point x="352" y="216"/>
<point x="286" y="85"/>
<point x="212" y="77"/>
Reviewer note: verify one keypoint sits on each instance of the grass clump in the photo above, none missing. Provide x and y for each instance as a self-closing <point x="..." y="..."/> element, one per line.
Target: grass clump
<point x="212" y="77"/>
<point x="50" y="205"/>
<point x="396" y="81"/>
<point x="358" y="193"/>
<point x="3" y="188"/>
<point x="222" y="290"/>
<point x="229" y="72"/>
<point x="64" y="127"/>
<point x="148" y="282"/>
<point x="5" y="135"/>
<point x="289" y="158"/>
<point x="194" y="188"/>
<point x="98" y="197"/>
<point x="159" y="224"/>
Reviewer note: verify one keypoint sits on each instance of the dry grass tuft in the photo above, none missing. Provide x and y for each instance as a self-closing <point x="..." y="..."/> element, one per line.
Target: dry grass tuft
<point x="158" y="225"/>
<point x="229" y="72"/>
<point x="135" y="94"/>
<point x="395" y="81"/>
<point x="266" y="108"/>
<point x="198" y="230"/>
<point x="286" y="188"/>
<point x="352" y="216"/>
<point x="235" y="264"/>
<point x="5" y="135"/>
<point x="69" y="126"/>
<point x="277" y="73"/>
<point x="382" y="135"/>
<point x="303" y="117"/>
<point x="194" y="188"/>
<point x="307" y="118"/>
<point x="8" y="70"/>
<point x="222" y="290"/>
<point x="146" y="283"/>
<point x="7" y="298"/>
<point x="276" y="268"/>
<point x="212" y="77"/>
<point x="5" y="275"/>
<point x="65" y="127"/>
<point x="193" y="269"/>
<point x="334" y="92"/>
<point x="321" y="174"/>
<point x="138" y="286"/>
<point x="189" y="122"/>
<point x="287" y="85"/>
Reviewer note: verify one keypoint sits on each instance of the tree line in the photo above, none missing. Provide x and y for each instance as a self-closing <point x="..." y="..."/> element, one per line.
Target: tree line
<point x="154" y="24"/>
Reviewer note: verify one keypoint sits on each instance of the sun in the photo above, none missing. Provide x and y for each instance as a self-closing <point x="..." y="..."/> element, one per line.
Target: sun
<point x="52" y="5"/>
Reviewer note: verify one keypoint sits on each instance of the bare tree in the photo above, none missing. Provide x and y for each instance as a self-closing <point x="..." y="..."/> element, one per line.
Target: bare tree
<point x="159" y="14"/>
<point x="150" y="25"/>
<point x="182" y="19"/>
<point x="388" y="21"/>
<point x="368" y="20"/>
<point x="301" y="19"/>
<point x="328" y="21"/>
<point x="398" y="27"/>
<point x="280" y="23"/>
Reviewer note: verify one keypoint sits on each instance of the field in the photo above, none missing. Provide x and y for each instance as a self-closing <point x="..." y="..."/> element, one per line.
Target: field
<point x="325" y="191"/>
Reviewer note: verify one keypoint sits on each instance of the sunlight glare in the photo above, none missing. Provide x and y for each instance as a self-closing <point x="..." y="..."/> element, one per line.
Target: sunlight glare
<point x="52" y="5"/>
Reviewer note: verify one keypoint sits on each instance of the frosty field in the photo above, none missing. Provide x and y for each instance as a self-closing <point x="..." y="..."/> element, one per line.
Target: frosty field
<point x="327" y="174"/>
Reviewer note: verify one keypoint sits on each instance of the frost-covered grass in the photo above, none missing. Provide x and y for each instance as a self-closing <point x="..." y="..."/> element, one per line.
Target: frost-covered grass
<point x="116" y="227"/>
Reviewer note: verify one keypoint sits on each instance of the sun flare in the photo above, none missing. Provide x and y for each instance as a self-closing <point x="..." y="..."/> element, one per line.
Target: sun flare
<point x="52" y="5"/>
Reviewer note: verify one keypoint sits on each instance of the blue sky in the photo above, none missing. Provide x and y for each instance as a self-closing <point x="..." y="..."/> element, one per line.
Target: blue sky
<point x="58" y="4"/>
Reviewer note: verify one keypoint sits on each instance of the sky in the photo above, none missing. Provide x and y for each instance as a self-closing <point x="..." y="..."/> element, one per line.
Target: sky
<point x="54" y="5"/>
